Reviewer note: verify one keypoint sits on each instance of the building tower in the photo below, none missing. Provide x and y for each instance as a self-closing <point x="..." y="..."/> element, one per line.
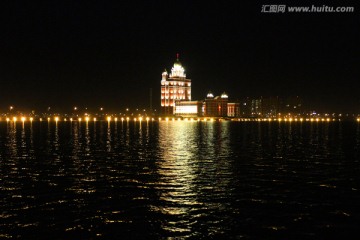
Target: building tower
<point x="174" y="87"/>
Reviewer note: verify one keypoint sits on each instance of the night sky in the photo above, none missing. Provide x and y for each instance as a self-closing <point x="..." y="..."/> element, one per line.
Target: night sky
<point x="110" y="53"/>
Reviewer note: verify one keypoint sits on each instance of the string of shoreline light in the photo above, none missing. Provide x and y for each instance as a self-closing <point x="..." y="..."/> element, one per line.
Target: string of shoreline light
<point x="166" y="119"/>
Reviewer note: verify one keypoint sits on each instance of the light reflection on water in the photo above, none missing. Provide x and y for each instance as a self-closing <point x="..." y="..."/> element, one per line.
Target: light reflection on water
<point x="179" y="179"/>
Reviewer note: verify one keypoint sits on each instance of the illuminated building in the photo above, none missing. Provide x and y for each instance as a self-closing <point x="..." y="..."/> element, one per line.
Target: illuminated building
<point x="256" y="107"/>
<point x="188" y="108"/>
<point x="233" y="109"/>
<point x="216" y="106"/>
<point x="174" y="87"/>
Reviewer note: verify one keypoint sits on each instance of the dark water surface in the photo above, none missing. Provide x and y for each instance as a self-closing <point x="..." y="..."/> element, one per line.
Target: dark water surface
<point x="234" y="180"/>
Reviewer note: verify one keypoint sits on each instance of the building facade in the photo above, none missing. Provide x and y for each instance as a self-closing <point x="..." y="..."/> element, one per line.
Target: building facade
<point x="233" y="109"/>
<point x="188" y="108"/>
<point x="174" y="87"/>
<point x="216" y="106"/>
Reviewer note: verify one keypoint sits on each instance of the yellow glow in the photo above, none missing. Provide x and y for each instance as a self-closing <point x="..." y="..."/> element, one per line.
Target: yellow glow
<point x="140" y="119"/>
<point x="31" y="119"/>
<point x="127" y="119"/>
<point x="186" y="119"/>
<point x="71" y="119"/>
<point x="290" y="119"/>
<point x="211" y="119"/>
<point x="23" y="119"/>
<point x="301" y="119"/>
<point x="205" y="119"/>
<point x="7" y="119"/>
<point x="56" y="119"/>
<point x="87" y="119"/>
<point x="167" y="119"/>
<point x="135" y="119"/>
<point x="41" y="119"/>
<point x="94" y="119"/>
<point x="311" y="119"/>
<point x="279" y="119"/>
<point x="48" y="119"/>
<point x="65" y="120"/>
<point x="147" y="119"/>
<point x="116" y="119"/>
<point x="122" y="119"/>
<point x="190" y="109"/>
<point x="328" y="119"/>
<point x="79" y="119"/>
<point x="159" y="119"/>
<point x="109" y="118"/>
